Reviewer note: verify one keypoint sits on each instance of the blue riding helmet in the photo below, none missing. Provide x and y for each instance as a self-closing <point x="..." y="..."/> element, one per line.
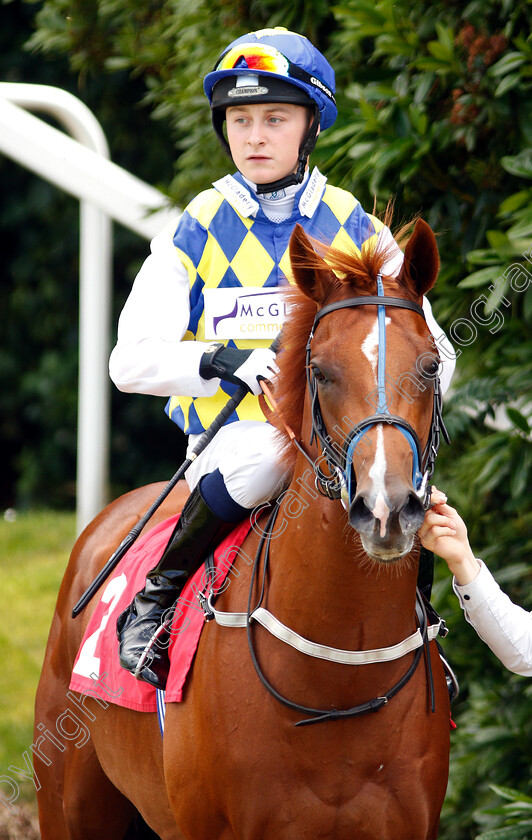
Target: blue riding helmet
<point x="274" y="65"/>
<point x="286" y="56"/>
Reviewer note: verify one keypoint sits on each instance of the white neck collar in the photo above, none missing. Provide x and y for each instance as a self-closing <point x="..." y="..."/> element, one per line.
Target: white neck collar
<point x="246" y="202"/>
<point x="278" y="205"/>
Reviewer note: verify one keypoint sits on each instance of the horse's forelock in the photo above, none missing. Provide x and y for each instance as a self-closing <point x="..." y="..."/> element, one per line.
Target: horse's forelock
<point x="353" y="274"/>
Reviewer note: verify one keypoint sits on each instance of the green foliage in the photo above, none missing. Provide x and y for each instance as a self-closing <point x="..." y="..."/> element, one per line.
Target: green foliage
<point x="434" y="109"/>
<point x="427" y="107"/>
<point x="517" y="814"/>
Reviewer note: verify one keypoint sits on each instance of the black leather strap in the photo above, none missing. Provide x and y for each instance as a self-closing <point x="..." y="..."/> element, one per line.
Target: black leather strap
<point x="368" y="300"/>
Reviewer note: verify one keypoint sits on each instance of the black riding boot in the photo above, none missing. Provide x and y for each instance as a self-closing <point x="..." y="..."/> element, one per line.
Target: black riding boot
<point x="197" y="531"/>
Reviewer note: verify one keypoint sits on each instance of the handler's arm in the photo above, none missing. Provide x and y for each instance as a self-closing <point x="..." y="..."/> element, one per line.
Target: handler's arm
<point x="505" y="627"/>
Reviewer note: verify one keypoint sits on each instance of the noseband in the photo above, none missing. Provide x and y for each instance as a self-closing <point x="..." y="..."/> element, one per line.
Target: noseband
<point x="340" y="483"/>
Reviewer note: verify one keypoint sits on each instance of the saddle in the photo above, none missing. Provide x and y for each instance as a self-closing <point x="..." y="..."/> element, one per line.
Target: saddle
<point x="96" y="670"/>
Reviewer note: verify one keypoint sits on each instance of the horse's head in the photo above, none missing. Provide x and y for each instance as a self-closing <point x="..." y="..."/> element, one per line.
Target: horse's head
<point x="371" y="372"/>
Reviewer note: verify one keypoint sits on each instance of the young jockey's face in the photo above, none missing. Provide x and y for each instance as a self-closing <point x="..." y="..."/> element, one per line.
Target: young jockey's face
<point x="264" y="139"/>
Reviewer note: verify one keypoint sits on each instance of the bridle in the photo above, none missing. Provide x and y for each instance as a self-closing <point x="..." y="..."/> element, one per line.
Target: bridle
<point x="340" y="483"/>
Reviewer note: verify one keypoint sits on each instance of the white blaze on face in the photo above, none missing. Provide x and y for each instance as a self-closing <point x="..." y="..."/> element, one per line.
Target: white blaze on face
<point x="377" y="472"/>
<point x="370" y="347"/>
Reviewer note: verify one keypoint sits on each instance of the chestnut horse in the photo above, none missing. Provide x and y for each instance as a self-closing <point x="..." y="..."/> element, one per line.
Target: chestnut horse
<point x="234" y="764"/>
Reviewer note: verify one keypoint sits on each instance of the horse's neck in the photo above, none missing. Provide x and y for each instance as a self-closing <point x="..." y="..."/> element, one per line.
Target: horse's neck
<point x="321" y="576"/>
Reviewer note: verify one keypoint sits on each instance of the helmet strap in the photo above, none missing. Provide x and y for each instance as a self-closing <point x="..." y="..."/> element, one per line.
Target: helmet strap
<point x="218" y="119"/>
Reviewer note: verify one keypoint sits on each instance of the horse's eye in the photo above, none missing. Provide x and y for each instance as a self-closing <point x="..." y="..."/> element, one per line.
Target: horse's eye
<point x="317" y="374"/>
<point x="431" y="367"/>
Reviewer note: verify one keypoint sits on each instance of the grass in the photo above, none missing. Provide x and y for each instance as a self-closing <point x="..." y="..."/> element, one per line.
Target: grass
<point x="34" y="550"/>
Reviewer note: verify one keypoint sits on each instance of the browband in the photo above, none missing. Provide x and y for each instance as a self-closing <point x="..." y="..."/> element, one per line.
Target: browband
<point x="364" y="300"/>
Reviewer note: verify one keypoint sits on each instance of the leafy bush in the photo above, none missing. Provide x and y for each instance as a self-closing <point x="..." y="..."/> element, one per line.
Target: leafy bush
<point x="517" y="814"/>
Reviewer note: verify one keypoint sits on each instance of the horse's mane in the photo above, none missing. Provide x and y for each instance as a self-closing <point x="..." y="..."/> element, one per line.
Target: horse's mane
<point x="354" y="274"/>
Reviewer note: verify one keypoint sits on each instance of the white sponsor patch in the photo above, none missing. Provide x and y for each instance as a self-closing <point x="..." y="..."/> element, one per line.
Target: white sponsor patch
<point x="252" y="313"/>
<point x="312" y="193"/>
<point x="237" y="195"/>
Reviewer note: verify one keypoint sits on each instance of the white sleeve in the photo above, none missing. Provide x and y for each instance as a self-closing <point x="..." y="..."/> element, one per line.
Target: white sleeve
<point x="394" y="255"/>
<point x="505" y="627"/>
<point x="150" y="356"/>
<point x="445" y="348"/>
<point x="392" y="266"/>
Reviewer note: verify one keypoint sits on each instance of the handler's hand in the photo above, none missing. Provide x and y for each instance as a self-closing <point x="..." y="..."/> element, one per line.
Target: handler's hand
<point x="444" y="532"/>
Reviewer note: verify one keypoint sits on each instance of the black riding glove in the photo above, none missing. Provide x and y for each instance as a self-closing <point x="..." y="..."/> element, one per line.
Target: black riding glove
<point x="242" y="367"/>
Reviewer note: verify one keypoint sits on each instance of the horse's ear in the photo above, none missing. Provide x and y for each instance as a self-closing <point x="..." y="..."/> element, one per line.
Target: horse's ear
<point x="310" y="271"/>
<point x="422" y="261"/>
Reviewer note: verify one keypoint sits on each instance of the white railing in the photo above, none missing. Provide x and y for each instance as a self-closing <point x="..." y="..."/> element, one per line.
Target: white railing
<point x="80" y="165"/>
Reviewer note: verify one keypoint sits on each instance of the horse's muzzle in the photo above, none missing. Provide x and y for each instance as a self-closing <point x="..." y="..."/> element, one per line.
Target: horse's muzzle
<point x="387" y="527"/>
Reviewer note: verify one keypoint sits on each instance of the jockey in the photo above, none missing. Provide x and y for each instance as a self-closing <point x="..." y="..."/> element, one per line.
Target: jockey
<point x="205" y="305"/>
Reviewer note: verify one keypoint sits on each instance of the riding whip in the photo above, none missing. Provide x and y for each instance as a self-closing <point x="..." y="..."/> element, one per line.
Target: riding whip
<point x="130" y="538"/>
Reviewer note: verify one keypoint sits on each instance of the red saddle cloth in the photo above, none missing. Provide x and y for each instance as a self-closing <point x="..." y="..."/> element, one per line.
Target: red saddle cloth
<point x="97" y="671"/>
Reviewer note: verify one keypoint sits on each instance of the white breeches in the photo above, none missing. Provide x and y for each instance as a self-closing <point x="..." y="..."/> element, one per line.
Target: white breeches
<point x="246" y="454"/>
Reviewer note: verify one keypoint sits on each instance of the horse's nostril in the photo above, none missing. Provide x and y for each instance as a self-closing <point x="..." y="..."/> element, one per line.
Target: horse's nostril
<point x="360" y="516"/>
<point x="411" y="515"/>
